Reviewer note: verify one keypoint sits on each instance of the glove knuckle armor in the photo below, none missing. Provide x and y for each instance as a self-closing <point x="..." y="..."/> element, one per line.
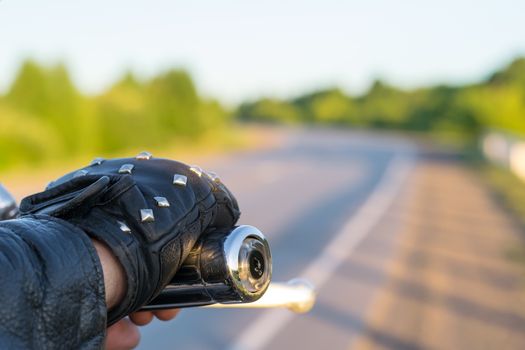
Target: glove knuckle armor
<point x="149" y="211"/>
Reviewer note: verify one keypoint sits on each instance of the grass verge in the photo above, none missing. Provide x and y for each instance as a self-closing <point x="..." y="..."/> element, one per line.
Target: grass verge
<point x="509" y="191"/>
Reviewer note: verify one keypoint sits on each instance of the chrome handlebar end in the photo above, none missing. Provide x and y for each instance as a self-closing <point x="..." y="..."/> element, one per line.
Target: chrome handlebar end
<point x="297" y="295"/>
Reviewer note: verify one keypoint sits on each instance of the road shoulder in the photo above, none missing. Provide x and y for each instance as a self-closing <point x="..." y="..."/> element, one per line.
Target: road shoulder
<point x="451" y="284"/>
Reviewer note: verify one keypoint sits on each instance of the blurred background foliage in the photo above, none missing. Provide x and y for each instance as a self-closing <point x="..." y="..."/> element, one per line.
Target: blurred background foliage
<point x="45" y="117"/>
<point x="457" y="111"/>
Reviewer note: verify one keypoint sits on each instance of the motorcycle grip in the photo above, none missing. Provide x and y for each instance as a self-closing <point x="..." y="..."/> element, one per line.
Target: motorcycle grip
<point x="225" y="266"/>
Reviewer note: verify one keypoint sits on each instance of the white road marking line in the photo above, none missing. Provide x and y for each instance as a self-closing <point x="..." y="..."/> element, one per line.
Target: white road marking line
<point x="319" y="271"/>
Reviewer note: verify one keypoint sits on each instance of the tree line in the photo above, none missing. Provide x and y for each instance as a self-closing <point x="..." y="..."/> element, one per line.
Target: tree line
<point x="497" y="102"/>
<point x="44" y="116"/>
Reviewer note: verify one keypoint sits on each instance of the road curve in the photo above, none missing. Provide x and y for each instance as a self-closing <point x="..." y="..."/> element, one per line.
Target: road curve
<point x="317" y="197"/>
<point x="409" y="249"/>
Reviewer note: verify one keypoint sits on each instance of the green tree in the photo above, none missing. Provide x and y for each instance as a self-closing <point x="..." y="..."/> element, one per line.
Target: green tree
<point x="172" y="101"/>
<point x="48" y="94"/>
<point x="384" y="106"/>
<point x="330" y="106"/>
<point x="269" y="111"/>
<point x="25" y="139"/>
<point x="513" y="74"/>
<point x="122" y="118"/>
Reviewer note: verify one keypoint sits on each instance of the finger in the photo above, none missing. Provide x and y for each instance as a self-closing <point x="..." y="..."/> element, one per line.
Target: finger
<point x="141" y="318"/>
<point x="123" y="335"/>
<point x="166" y="315"/>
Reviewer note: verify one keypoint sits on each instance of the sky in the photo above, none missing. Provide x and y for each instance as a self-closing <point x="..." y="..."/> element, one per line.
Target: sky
<point x="239" y="50"/>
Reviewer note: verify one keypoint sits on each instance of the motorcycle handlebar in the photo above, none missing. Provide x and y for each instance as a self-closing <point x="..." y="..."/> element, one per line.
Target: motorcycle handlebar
<point x="224" y="266"/>
<point x="225" y="269"/>
<point x="297" y="295"/>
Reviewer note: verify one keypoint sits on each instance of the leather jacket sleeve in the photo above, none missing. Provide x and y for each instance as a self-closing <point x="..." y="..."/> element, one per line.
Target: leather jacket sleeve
<point x="51" y="286"/>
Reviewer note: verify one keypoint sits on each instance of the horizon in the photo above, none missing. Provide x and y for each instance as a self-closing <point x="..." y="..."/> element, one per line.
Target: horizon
<point x="142" y="80"/>
<point x="239" y="51"/>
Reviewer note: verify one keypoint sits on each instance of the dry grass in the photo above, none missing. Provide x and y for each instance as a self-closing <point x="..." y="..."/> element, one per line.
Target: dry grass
<point x="24" y="180"/>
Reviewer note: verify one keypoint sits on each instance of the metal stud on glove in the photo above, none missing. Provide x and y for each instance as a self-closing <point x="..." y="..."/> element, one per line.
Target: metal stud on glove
<point x="149" y="211"/>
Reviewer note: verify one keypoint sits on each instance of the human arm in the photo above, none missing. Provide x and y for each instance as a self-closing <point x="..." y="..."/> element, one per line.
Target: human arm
<point x="148" y="211"/>
<point x="52" y="293"/>
<point x="114" y="276"/>
<point x="52" y="290"/>
<point x="124" y="334"/>
<point x="55" y="280"/>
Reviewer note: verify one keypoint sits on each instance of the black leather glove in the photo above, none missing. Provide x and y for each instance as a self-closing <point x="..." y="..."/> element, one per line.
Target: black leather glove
<point x="149" y="211"/>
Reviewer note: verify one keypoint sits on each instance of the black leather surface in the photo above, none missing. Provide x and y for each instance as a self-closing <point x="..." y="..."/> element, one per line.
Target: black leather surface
<point x="98" y="199"/>
<point x="52" y="287"/>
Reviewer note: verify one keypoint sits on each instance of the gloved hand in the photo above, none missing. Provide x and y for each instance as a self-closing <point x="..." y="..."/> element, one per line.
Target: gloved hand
<point x="149" y="211"/>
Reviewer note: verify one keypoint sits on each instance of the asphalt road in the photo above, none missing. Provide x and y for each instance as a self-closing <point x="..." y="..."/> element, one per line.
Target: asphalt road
<point x="407" y="247"/>
<point x="319" y="197"/>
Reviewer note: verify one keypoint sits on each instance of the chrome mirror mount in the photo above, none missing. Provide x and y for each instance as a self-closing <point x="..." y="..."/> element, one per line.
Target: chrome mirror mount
<point x="8" y="206"/>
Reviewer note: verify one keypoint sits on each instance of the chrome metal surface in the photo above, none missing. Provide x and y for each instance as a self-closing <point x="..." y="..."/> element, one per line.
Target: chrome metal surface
<point x="143" y="156"/>
<point x="162" y="202"/>
<point x="80" y="173"/>
<point x="249" y="261"/>
<point x="197" y="170"/>
<point x="180" y="180"/>
<point x="124" y="227"/>
<point x="213" y="176"/>
<point x="6" y="199"/>
<point x="97" y="161"/>
<point x="146" y="215"/>
<point x="8" y="206"/>
<point x="297" y="295"/>
<point x="126" y="169"/>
